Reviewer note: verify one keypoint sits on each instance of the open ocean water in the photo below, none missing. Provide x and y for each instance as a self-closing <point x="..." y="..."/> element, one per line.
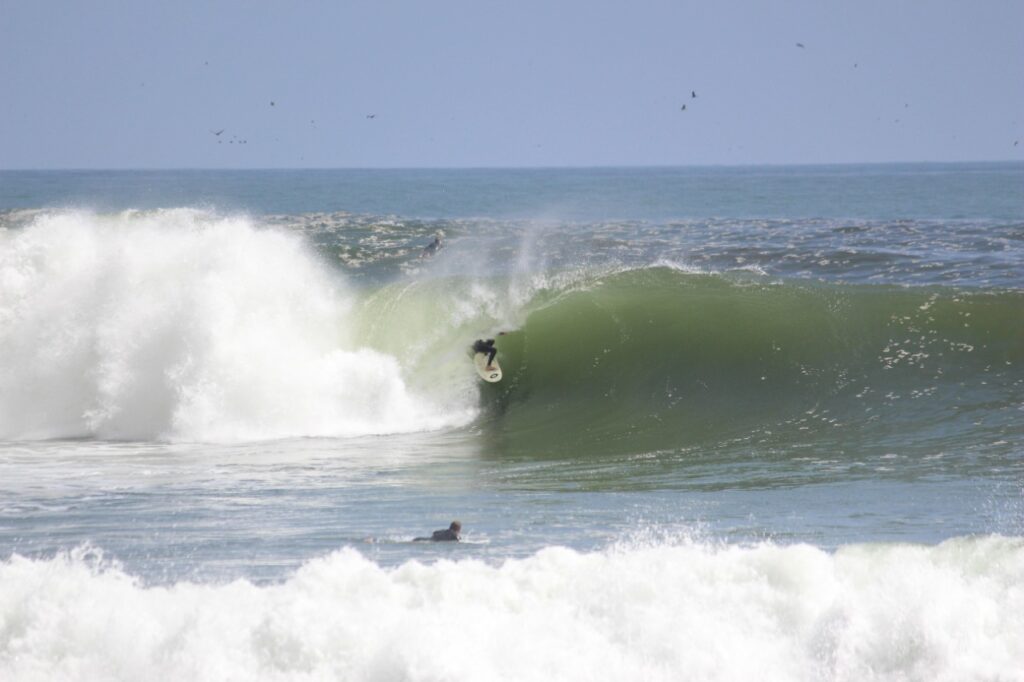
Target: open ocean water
<point x="756" y="423"/>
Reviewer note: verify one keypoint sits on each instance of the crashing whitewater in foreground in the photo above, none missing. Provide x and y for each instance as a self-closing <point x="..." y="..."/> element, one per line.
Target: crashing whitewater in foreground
<point x="677" y="611"/>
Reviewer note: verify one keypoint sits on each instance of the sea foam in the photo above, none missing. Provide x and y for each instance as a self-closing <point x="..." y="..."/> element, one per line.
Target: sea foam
<point x="687" y="611"/>
<point x="180" y="324"/>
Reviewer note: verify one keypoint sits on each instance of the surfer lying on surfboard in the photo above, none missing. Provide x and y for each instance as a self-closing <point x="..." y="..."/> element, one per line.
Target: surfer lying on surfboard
<point x="450" y="534"/>
<point x="480" y="346"/>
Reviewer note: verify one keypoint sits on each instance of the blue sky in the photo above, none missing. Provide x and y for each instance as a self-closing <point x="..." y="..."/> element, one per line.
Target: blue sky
<point x="478" y="83"/>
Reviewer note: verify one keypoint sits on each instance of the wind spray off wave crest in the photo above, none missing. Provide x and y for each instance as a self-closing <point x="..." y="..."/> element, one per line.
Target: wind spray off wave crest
<point x="185" y="325"/>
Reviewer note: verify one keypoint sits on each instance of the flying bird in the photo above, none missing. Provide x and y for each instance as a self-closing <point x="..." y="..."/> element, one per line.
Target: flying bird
<point x="693" y="94"/>
<point x="800" y="45"/>
<point x="371" y="116"/>
<point x="217" y="132"/>
<point x="682" y="108"/>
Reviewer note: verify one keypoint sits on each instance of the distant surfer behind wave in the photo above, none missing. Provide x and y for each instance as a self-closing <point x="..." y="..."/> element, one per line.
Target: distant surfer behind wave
<point x="433" y="247"/>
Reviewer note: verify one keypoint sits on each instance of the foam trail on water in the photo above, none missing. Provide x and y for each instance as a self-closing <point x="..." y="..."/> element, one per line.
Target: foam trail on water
<point x="669" y="612"/>
<point x="185" y="325"/>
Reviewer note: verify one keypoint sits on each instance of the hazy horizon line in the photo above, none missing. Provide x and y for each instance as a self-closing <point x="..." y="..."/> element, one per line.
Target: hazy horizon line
<point x="515" y="167"/>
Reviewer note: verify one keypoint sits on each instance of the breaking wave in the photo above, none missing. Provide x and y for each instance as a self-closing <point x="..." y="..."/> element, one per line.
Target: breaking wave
<point x="670" y="611"/>
<point x="183" y="325"/>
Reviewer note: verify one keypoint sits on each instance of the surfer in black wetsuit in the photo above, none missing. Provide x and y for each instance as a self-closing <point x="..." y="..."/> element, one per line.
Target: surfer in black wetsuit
<point x="487" y="346"/>
<point x="433" y="247"/>
<point x="449" y="534"/>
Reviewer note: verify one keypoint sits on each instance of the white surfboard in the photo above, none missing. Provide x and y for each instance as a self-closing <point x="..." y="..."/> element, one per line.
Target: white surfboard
<point x="492" y="375"/>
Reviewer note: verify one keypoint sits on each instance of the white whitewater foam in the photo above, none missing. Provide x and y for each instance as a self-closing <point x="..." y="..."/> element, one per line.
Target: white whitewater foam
<point x="180" y="324"/>
<point x="686" y="612"/>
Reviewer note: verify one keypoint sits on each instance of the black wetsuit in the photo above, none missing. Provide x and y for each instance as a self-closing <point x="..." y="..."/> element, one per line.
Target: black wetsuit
<point x="446" y="535"/>
<point x="486" y="347"/>
<point x="433" y="247"/>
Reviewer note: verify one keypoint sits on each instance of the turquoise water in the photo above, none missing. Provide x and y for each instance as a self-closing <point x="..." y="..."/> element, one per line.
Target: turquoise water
<point x="777" y="406"/>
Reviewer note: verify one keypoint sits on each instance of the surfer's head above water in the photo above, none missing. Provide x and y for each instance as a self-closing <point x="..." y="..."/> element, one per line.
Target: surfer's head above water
<point x="449" y="534"/>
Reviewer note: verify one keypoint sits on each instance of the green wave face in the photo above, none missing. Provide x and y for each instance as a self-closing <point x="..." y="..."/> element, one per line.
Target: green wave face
<point x="655" y="359"/>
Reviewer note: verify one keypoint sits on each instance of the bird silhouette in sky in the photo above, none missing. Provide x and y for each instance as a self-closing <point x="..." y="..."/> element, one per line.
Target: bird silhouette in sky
<point x="800" y="45"/>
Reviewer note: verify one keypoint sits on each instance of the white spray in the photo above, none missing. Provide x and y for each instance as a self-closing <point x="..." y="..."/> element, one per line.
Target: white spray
<point x="180" y="324"/>
<point x="687" y="612"/>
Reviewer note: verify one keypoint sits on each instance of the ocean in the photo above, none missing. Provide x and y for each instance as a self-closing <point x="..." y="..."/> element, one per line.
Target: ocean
<point x="755" y="423"/>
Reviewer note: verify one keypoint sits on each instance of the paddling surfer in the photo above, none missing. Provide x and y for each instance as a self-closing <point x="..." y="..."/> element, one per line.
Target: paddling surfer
<point x="449" y="534"/>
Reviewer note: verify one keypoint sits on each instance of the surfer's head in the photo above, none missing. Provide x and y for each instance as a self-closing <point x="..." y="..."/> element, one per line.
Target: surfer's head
<point x="456" y="526"/>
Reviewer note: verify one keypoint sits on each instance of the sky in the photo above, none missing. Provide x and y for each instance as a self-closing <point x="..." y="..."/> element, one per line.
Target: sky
<point x="440" y="83"/>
